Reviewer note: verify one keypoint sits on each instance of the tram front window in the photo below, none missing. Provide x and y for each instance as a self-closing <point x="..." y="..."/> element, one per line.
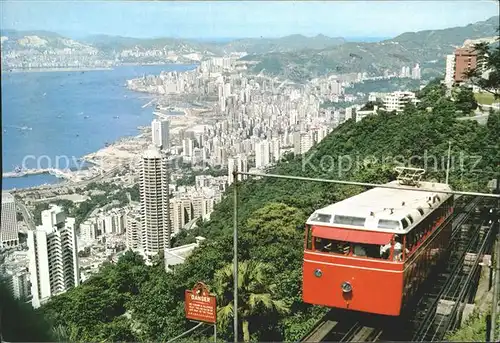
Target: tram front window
<point x="331" y="246"/>
<point x="366" y="250"/>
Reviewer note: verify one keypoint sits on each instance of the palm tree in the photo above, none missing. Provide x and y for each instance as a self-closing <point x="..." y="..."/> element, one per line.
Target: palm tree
<point x="255" y="294"/>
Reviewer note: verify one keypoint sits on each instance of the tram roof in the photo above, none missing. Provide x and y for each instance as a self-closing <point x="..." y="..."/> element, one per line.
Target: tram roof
<point x="383" y="209"/>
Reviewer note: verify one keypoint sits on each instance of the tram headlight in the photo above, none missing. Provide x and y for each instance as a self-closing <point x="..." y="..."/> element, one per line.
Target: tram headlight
<point x="318" y="273"/>
<point x="346" y="287"/>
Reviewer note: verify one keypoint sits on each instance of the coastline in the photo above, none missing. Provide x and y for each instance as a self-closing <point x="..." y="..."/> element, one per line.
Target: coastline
<point x="52" y="70"/>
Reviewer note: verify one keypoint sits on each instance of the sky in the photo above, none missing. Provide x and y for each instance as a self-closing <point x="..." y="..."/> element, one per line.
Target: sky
<point x="238" y="19"/>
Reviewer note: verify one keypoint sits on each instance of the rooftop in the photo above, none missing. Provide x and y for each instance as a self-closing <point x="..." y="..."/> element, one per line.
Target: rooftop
<point x="382" y="208"/>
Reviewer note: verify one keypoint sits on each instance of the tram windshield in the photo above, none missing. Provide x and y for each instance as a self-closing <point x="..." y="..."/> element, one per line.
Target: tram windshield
<point x="376" y="245"/>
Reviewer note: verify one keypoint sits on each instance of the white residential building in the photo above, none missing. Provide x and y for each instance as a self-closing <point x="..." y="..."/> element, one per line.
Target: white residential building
<point x="415" y="72"/>
<point x="178" y="255"/>
<point x="240" y="163"/>
<point x="133" y="230"/>
<point x="155" y="209"/>
<point x="449" y="77"/>
<point x="8" y="230"/>
<point x="160" y="132"/>
<point x="396" y="101"/>
<point x="53" y="256"/>
<point x="17" y="281"/>
<point x="262" y="154"/>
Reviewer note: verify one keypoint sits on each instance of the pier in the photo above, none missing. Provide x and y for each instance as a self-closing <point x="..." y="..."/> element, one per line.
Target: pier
<point x="26" y="172"/>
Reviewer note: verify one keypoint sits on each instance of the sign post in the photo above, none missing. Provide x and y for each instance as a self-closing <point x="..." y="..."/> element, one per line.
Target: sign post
<point x="201" y="306"/>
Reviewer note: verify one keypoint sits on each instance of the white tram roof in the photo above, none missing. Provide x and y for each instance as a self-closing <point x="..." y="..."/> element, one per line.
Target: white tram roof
<point x="383" y="209"/>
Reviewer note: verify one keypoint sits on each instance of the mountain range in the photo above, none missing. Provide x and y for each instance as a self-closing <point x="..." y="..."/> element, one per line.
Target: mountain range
<point x="424" y="47"/>
<point x="295" y="57"/>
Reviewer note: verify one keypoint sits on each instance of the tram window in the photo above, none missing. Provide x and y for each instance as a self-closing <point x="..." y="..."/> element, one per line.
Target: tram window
<point x="388" y="224"/>
<point x="347" y="220"/>
<point x="308" y="237"/>
<point x="331" y="246"/>
<point x="421" y="211"/>
<point x="320" y="217"/>
<point x="410" y="218"/>
<point x="366" y="250"/>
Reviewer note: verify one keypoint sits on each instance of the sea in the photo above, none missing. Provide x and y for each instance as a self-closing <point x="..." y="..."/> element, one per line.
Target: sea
<point x="51" y="119"/>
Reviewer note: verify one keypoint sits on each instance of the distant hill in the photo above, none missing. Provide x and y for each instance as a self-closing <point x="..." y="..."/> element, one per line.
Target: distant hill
<point x="249" y="45"/>
<point x="283" y="44"/>
<point x="41" y="40"/>
<point x="406" y="49"/>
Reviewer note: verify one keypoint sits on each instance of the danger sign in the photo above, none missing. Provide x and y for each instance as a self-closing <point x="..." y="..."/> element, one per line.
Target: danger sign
<point x="200" y="305"/>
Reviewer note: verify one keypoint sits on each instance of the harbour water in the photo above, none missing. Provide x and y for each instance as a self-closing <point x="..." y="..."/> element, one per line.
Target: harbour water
<point x="51" y="118"/>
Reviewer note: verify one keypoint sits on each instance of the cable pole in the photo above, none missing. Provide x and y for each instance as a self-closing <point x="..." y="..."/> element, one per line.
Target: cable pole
<point x="448" y="163"/>
<point x="496" y="281"/>
<point x="235" y="257"/>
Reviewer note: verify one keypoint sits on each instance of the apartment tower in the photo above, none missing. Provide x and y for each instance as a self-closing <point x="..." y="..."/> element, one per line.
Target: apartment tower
<point x="8" y="230"/>
<point x="155" y="208"/>
<point x="53" y="256"/>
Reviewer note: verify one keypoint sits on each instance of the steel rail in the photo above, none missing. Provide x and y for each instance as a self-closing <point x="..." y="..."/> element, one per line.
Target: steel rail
<point x="366" y="184"/>
<point x="428" y="320"/>
<point x="462" y="292"/>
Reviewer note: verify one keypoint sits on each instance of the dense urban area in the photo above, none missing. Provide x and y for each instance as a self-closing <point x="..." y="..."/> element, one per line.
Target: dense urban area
<point x="107" y="253"/>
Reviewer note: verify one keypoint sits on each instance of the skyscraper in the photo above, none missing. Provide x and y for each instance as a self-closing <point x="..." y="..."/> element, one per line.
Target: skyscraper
<point x="53" y="256"/>
<point x="450" y="71"/>
<point x="239" y="163"/>
<point x="8" y="230"/>
<point x="262" y="153"/>
<point x="160" y="133"/>
<point x="155" y="209"/>
<point x="415" y="73"/>
<point x="133" y="230"/>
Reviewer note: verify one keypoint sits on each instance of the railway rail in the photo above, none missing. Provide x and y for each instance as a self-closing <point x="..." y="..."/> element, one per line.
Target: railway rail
<point x="343" y="326"/>
<point x="457" y="285"/>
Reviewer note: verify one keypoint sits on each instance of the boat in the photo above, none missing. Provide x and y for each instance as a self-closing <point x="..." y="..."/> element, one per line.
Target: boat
<point x="86" y="117"/>
<point x="116" y="117"/>
<point x="106" y="144"/>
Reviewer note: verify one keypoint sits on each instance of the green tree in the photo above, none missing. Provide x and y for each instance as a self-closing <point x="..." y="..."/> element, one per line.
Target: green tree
<point x="19" y="322"/>
<point x="465" y="100"/>
<point x="488" y="61"/>
<point x="255" y="294"/>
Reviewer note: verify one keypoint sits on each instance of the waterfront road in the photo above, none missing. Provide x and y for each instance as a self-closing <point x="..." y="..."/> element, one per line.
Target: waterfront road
<point x="28" y="219"/>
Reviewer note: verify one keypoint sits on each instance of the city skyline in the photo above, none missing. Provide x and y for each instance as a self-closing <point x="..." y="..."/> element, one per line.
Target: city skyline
<point x="216" y="20"/>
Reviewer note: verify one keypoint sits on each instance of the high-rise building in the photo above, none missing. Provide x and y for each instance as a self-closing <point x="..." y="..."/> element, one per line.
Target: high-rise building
<point x="155" y="209"/>
<point x="262" y="154"/>
<point x="8" y="230"/>
<point x="187" y="147"/>
<point x="17" y="281"/>
<point x="53" y="256"/>
<point x="240" y="163"/>
<point x="160" y="133"/>
<point x="465" y="60"/>
<point x="133" y="230"/>
<point x="396" y="101"/>
<point x="450" y="71"/>
<point x="415" y="72"/>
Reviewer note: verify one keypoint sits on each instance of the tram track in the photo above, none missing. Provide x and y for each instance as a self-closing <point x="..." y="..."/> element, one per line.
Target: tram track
<point x="458" y="285"/>
<point x="331" y="328"/>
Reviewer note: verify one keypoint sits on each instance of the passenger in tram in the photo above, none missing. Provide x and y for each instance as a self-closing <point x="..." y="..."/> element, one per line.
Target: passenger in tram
<point x="366" y="250"/>
<point x="398" y="248"/>
<point x="385" y="251"/>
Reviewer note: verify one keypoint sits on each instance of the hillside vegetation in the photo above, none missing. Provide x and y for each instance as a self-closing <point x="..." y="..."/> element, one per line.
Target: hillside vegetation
<point x="133" y="302"/>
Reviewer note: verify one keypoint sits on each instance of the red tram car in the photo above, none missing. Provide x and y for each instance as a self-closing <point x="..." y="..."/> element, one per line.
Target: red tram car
<point x="371" y="252"/>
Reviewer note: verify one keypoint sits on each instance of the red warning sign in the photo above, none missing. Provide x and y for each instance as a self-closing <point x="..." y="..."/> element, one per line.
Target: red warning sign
<point x="200" y="305"/>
